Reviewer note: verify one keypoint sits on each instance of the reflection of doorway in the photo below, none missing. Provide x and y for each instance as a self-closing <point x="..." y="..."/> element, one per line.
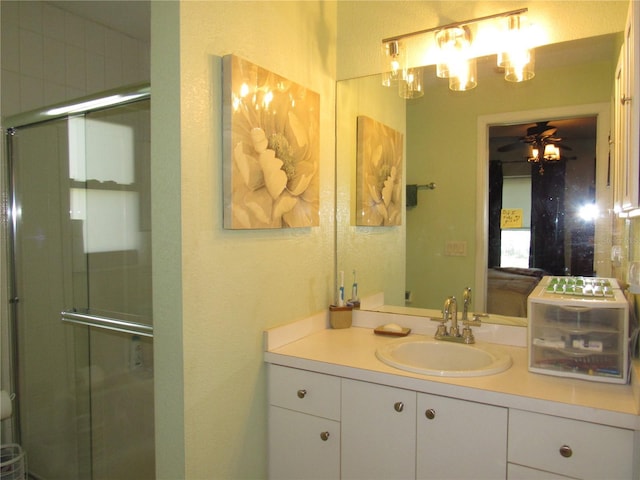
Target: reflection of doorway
<point x="558" y="191"/>
<point x="603" y="192"/>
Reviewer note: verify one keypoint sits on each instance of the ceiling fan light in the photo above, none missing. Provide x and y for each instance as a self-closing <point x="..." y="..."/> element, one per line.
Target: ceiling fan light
<point x="551" y="152"/>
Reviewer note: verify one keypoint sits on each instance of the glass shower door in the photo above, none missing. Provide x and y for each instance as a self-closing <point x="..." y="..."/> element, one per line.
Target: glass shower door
<point x="53" y="368"/>
<point x="83" y="248"/>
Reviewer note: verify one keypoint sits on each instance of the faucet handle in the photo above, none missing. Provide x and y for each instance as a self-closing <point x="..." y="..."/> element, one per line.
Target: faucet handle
<point x="476" y="319"/>
<point x="442" y="330"/>
<point x="467" y="335"/>
<point x="472" y="323"/>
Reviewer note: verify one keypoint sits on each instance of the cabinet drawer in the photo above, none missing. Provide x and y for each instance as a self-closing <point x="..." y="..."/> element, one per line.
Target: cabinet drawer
<point x="302" y="446"/>
<point x="518" y="472"/>
<point x="303" y="391"/>
<point x="569" y="447"/>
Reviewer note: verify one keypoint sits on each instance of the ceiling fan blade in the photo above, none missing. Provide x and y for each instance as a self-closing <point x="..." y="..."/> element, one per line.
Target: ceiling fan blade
<point x="548" y="132"/>
<point x="541" y="129"/>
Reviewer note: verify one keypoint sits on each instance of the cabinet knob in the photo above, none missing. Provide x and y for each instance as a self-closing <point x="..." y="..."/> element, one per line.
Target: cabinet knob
<point x="398" y="406"/>
<point x="302" y="393"/>
<point x="565" y="451"/>
<point x="430" y="413"/>
<point x="324" y="436"/>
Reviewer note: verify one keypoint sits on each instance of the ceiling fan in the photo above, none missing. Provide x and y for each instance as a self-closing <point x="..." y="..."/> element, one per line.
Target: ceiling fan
<point x="544" y="144"/>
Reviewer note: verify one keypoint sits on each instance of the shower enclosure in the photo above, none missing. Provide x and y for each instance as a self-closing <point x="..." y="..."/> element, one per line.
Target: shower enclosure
<point x="80" y="281"/>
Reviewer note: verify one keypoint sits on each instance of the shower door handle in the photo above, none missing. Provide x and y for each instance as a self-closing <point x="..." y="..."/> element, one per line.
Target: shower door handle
<point x="106" y="323"/>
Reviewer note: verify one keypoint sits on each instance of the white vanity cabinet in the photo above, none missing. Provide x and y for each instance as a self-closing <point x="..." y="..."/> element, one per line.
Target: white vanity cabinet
<point x="321" y="426"/>
<point x="328" y="427"/>
<point x="544" y="445"/>
<point x="378" y="431"/>
<point x="460" y="439"/>
<point x="304" y="424"/>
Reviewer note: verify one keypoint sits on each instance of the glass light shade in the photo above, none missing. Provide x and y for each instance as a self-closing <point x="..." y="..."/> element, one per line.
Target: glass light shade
<point x="518" y="59"/>
<point x="520" y="66"/>
<point x="453" y="44"/>
<point x="463" y="75"/>
<point x="411" y="84"/>
<point x="392" y="56"/>
<point x="534" y="155"/>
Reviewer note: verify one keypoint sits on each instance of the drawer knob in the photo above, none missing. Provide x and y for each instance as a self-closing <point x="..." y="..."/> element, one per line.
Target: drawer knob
<point x="302" y="393"/>
<point x="398" y="406"/>
<point x="324" y="436"/>
<point x="430" y="414"/>
<point x="565" y="451"/>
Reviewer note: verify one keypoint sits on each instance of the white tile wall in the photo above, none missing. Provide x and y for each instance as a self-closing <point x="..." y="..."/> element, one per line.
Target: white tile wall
<point x="50" y="56"/>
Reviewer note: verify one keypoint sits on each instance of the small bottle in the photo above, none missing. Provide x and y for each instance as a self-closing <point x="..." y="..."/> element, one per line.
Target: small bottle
<point x="135" y="354"/>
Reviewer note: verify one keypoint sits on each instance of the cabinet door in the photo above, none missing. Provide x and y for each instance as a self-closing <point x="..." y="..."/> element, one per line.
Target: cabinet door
<point x="378" y="432"/>
<point x="460" y="439"/>
<point x="631" y="110"/>
<point x="302" y="446"/>
<point x="620" y="145"/>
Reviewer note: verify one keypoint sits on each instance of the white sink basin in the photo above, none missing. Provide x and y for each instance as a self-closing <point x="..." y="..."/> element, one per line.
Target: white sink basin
<point x="445" y="359"/>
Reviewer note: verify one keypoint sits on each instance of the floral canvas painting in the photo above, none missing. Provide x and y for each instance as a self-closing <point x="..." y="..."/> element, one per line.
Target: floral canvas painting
<point x="271" y="149"/>
<point x="379" y="174"/>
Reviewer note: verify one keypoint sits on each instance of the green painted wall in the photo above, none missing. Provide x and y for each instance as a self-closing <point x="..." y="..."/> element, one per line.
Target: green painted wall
<point x="217" y="290"/>
<point x="442" y="148"/>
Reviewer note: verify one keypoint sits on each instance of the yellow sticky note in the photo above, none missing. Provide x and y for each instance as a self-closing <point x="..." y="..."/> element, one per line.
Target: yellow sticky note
<point x="511" y="218"/>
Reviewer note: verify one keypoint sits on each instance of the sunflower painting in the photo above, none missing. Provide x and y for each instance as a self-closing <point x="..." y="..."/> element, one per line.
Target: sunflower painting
<point x="379" y="174"/>
<point x="271" y="149"/>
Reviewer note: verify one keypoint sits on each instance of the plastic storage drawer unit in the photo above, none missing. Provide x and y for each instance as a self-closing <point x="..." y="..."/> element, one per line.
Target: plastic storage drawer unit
<point x="578" y="327"/>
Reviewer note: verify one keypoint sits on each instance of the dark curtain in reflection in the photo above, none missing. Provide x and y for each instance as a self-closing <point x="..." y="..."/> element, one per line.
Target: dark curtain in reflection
<point x="495" y="206"/>
<point x="547" y="218"/>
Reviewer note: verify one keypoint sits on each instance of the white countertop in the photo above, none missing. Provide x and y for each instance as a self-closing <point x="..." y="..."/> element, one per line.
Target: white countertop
<point x="350" y="353"/>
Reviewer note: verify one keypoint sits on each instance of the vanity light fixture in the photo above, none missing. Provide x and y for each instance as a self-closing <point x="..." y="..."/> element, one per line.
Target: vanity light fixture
<point x="393" y="56"/>
<point x="456" y="58"/>
<point x="455" y="61"/>
<point x="518" y="58"/>
<point x="410" y="85"/>
<point x="396" y="70"/>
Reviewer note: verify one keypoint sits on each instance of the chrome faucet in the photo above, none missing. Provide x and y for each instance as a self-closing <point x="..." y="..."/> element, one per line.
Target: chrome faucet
<point x="450" y="312"/>
<point x="466" y="302"/>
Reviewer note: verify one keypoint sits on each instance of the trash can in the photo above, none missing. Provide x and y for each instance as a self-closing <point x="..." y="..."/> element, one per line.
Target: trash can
<point x="12" y="462"/>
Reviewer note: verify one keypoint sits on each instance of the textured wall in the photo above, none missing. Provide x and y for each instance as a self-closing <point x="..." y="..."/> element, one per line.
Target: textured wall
<point x="234" y="284"/>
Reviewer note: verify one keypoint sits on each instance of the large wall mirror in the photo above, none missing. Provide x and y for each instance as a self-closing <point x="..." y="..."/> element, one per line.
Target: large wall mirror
<point x="451" y="139"/>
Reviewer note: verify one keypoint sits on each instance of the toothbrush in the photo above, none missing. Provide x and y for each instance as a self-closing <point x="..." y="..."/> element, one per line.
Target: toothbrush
<point x="354" y="289"/>
<point x="341" y="292"/>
